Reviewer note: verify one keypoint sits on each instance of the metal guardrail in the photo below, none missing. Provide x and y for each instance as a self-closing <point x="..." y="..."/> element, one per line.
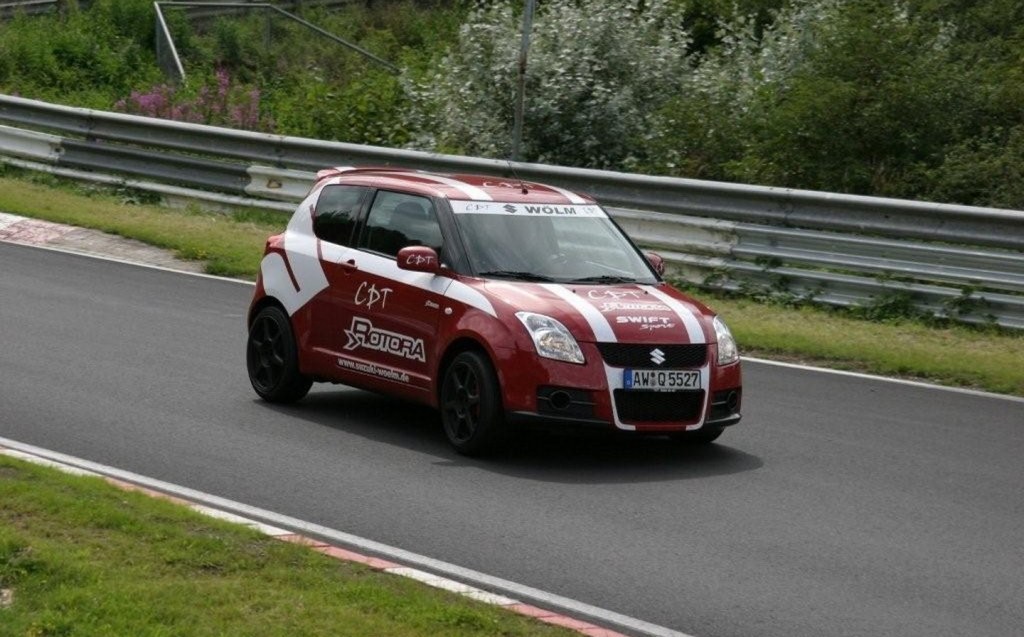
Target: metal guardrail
<point x="958" y="261"/>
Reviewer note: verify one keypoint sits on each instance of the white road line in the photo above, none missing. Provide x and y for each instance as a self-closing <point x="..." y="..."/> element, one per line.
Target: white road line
<point x="811" y="368"/>
<point x="519" y="591"/>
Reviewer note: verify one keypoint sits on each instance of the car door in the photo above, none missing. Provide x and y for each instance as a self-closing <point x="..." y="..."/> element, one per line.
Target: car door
<point x="335" y="216"/>
<point x="394" y="312"/>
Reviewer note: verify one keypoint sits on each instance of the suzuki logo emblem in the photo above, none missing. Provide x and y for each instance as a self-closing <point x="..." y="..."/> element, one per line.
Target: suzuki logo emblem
<point x="657" y="356"/>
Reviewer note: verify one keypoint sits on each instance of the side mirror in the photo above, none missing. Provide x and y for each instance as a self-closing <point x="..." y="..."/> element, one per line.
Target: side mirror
<point x="656" y="261"/>
<point x="418" y="259"/>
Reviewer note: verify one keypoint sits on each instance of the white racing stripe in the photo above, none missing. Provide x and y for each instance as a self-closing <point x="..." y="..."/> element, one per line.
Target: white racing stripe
<point x="387" y="268"/>
<point x="570" y="195"/>
<point x="300" y="246"/>
<point x="694" y="331"/>
<point x="599" y="325"/>
<point x="470" y="190"/>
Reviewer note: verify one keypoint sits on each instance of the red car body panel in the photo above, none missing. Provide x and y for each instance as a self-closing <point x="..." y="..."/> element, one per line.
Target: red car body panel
<point x="361" y="319"/>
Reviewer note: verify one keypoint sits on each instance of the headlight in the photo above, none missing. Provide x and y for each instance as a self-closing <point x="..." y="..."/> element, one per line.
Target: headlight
<point x="551" y="338"/>
<point x="727" y="350"/>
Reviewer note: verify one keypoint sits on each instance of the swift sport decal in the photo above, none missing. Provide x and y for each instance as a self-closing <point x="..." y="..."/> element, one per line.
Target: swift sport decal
<point x="526" y="209"/>
<point x="660" y="321"/>
<point x="363" y="334"/>
<point x="650" y="327"/>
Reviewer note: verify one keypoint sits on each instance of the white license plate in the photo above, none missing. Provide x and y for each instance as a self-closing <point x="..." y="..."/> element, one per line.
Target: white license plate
<point x="660" y="379"/>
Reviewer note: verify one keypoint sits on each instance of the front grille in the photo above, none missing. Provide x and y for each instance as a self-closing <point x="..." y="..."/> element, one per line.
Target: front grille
<point x="676" y="356"/>
<point x="635" y="405"/>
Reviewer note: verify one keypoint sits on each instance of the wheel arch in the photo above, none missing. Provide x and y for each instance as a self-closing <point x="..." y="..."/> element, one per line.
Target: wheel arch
<point x="258" y="306"/>
<point x="461" y="344"/>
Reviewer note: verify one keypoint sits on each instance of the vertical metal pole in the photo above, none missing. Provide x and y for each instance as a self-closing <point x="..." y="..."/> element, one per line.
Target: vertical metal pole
<point x="517" y="125"/>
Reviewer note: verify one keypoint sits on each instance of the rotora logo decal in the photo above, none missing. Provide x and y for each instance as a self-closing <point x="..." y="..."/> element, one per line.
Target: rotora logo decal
<point x="364" y="334"/>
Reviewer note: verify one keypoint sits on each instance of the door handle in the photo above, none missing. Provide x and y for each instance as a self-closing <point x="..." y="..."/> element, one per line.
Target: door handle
<point x="348" y="267"/>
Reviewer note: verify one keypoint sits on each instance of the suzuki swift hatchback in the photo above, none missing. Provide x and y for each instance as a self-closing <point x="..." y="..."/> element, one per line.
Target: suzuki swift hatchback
<point x="494" y="301"/>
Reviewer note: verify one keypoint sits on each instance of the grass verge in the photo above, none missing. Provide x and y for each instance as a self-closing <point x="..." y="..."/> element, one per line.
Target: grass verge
<point x="231" y="245"/>
<point x="952" y="355"/>
<point x="80" y="557"/>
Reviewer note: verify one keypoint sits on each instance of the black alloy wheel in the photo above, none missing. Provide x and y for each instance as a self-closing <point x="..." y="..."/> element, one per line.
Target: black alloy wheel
<point x="471" y="405"/>
<point x="272" y="358"/>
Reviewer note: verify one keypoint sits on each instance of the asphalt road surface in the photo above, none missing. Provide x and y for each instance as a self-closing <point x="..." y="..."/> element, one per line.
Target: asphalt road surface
<point x="839" y="506"/>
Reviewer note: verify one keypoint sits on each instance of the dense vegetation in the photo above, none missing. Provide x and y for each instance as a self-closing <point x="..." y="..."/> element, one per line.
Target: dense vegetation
<point x="920" y="99"/>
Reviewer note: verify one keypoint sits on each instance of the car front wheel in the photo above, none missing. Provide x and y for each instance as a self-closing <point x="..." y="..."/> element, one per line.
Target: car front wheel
<point x="471" y="405"/>
<point x="273" y="358"/>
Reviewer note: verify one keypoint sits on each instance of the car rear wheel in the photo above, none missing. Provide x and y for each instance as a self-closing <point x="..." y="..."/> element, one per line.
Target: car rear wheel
<point x="273" y="358"/>
<point x="703" y="436"/>
<point x="471" y="405"/>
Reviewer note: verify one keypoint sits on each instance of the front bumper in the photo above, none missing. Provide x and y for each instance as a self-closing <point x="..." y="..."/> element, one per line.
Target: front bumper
<point x="592" y="396"/>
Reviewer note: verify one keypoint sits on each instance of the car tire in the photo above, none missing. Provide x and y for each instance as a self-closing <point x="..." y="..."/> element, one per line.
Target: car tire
<point x="273" y="358"/>
<point x="471" y="410"/>
<point x="703" y="436"/>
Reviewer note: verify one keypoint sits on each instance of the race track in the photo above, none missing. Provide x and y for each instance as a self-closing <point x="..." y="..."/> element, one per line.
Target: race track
<point x="839" y="506"/>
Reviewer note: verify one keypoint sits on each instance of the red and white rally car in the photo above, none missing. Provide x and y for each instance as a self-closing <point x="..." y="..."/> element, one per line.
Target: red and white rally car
<point x="493" y="300"/>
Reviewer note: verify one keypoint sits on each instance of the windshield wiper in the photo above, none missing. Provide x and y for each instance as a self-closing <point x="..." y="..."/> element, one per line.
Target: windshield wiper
<point x="605" y="278"/>
<point x="517" y="274"/>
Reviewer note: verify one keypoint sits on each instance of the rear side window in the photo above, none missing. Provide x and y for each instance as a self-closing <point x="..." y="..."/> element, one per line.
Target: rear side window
<point x="397" y="220"/>
<point x="336" y="212"/>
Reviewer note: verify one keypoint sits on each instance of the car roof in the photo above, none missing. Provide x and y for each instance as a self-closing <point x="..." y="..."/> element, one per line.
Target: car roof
<point x="459" y="187"/>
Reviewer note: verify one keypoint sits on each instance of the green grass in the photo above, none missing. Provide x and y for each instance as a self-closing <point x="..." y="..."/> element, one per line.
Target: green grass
<point x="956" y="355"/>
<point x="84" y="558"/>
<point x="231" y="245"/>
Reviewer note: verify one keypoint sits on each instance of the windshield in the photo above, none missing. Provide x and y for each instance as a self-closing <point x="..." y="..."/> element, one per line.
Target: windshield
<point x="560" y="243"/>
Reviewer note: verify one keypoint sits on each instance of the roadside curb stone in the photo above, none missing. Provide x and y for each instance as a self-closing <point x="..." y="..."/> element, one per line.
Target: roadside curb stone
<point x="28" y="231"/>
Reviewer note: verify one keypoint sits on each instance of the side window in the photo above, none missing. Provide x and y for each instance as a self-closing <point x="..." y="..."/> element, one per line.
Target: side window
<point x="336" y="212"/>
<point x="398" y="220"/>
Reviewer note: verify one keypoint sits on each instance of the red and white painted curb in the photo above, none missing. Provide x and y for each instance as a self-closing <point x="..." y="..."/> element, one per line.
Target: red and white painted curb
<point x="30" y="231"/>
<point x="337" y="552"/>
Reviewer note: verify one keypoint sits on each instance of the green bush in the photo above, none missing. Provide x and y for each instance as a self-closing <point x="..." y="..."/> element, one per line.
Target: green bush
<point x="853" y="97"/>
<point x="78" y="57"/>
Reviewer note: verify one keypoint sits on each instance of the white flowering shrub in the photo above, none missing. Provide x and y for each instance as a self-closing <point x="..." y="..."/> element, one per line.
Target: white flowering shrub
<point x="597" y="73"/>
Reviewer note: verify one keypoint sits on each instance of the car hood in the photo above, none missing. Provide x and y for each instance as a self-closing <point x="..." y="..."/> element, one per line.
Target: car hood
<point x="606" y="313"/>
